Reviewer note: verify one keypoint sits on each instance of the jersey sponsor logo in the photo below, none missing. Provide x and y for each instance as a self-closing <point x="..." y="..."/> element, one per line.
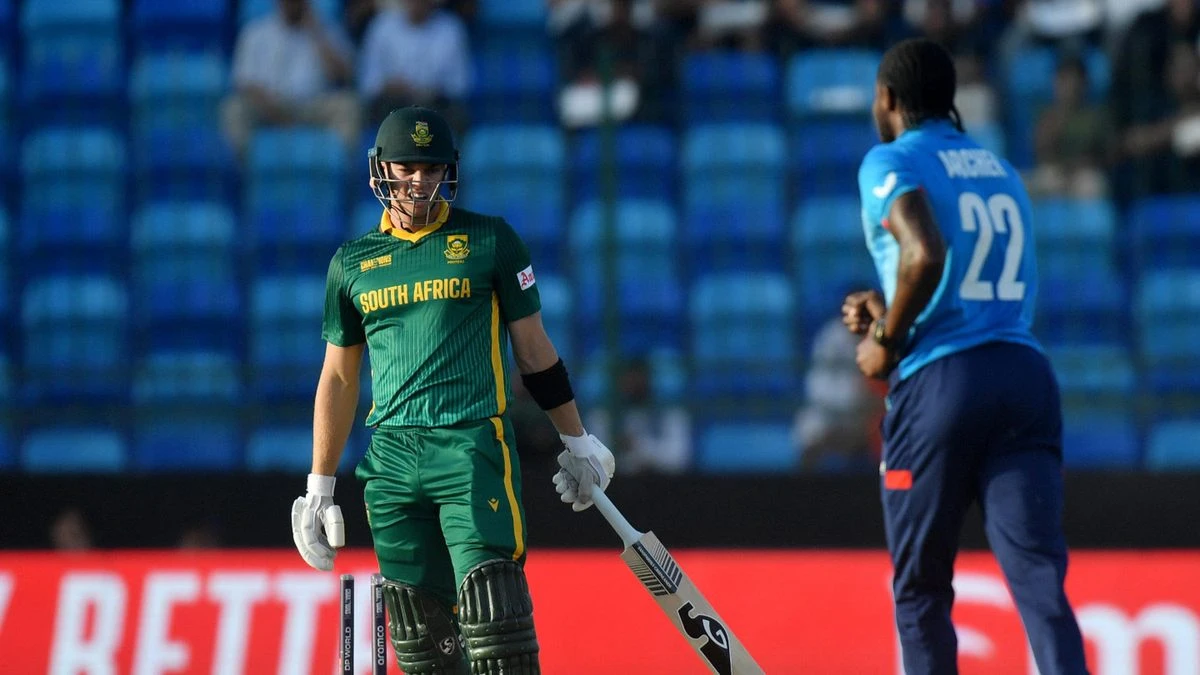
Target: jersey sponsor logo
<point x="456" y="248"/>
<point x="421" y="135"/>
<point x="525" y="278"/>
<point x="889" y="184"/>
<point x="373" y="263"/>
<point x="455" y="288"/>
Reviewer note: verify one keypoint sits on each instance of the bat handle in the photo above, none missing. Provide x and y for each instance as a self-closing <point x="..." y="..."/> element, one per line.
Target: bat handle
<point x="628" y="533"/>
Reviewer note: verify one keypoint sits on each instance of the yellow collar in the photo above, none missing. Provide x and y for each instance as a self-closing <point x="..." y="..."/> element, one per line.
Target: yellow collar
<point x="386" y="226"/>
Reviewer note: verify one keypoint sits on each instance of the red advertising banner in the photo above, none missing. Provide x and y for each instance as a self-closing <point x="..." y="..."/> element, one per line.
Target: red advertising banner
<point x="262" y="612"/>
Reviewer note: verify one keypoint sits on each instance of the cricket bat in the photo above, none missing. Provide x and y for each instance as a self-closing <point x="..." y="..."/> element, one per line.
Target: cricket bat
<point x="693" y="616"/>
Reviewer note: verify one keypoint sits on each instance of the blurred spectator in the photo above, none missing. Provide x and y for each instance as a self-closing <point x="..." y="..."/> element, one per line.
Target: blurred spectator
<point x="415" y="54"/>
<point x="1166" y="151"/>
<point x="287" y="69"/>
<point x="731" y="24"/>
<point x="837" y="428"/>
<point x="1140" y="87"/>
<point x="975" y="98"/>
<point x="948" y="22"/>
<point x="1065" y="22"/>
<point x="804" y="24"/>
<point x="71" y="532"/>
<point x="653" y="436"/>
<point x="357" y="16"/>
<point x="1072" y="138"/>
<point x="639" y="63"/>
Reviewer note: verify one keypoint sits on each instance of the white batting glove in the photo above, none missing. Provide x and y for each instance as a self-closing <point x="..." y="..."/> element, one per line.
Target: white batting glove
<point x="586" y="465"/>
<point x="317" y="526"/>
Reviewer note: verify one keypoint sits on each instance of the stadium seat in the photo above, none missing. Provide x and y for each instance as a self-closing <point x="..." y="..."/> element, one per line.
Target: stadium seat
<point x="1082" y="307"/>
<point x="730" y="86"/>
<point x="668" y="368"/>
<point x="171" y="163"/>
<point x="825" y="156"/>
<point x="285" y="348"/>
<point x="197" y="378"/>
<point x="829" y="255"/>
<point x="831" y="82"/>
<point x="73" y="450"/>
<point x="49" y="156"/>
<point x="1167" y="314"/>
<point x="1101" y="443"/>
<point x="73" y="65"/>
<point x="1174" y="445"/>
<point x="646" y="288"/>
<point x="180" y="90"/>
<point x="1166" y="232"/>
<point x="1074" y="235"/>
<point x="365" y="218"/>
<point x="65" y="238"/>
<point x="185" y="279"/>
<point x="1095" y="374"/>
<point x="644" y="163"/>
<point x="76" y="342"/>
<point x="298" y="235"/>
<point x="733" y="224"/>
<point x="743" y="335"/>
<point x="513" y="147"/>
<point x="514" y="83"/>
<point x="1030" y="85"/>
<point x="746" y="447"/>
<point x="558" y="308"/>
<point x="187" y="443"/>
<point x="535" y="207"/>
<point x="513" y="14"/>
<point x="283" y="153"/>
<point x="747" y="148"/>
<point x="168" y="24"/>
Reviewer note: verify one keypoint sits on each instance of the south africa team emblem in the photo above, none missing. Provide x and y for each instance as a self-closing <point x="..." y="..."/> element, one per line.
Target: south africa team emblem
<point x="421" y="135"/>
<point x="456" y="248"/>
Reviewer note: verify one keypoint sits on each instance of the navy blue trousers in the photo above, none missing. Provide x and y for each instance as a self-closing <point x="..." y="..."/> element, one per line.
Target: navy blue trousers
<point x="981" y="425"/>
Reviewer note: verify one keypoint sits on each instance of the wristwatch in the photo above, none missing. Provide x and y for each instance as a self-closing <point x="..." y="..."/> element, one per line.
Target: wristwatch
<point x="879" y="334"/>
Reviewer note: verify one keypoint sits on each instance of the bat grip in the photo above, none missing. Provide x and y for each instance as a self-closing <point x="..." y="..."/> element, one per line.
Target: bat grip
<point x="628" y="534"/>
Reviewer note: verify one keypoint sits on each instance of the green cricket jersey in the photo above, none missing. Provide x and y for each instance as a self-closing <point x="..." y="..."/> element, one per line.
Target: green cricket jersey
<point x="433" y="308"/>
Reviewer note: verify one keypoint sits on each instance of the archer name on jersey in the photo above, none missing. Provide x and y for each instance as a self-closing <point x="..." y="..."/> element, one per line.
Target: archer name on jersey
<point x="989" y="282"/>
<point x="432" y="308"/>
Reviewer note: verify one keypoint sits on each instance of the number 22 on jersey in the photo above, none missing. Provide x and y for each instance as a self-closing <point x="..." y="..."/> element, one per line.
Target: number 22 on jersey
<point x="999" y="214"/>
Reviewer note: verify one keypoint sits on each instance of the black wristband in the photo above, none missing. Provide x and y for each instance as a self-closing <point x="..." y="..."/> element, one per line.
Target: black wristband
<point x="551" y="387"/>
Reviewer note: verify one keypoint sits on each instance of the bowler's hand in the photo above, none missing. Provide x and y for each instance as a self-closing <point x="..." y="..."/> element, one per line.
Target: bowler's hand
<point x="874" y="360"/>
<point x="860" y="309"/>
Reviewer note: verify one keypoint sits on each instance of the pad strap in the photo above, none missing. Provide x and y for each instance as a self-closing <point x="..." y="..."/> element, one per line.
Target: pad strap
<point x="496" y="616"/>
<point x="423" y="632"/>
<point x="551" y="387"/>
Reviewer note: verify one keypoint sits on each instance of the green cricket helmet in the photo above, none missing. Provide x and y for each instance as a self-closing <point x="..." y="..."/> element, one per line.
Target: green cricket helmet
<point x="413" y="135"/>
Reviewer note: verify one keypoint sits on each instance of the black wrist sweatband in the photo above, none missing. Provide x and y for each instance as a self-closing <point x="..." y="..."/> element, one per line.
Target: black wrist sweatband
<point x="549" y="388"/>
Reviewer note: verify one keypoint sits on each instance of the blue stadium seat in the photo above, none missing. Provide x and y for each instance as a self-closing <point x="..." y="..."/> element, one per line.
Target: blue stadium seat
<point x="743" y="335"/>
<point x="294" y="235"/>
<point x="73" y="450"/>
<point x="5" y="272"/>
<point x="734" y="224"/>
<point x="288" y="449"/>
<point x="825" y="156"/>
<point x="558" y="310"/>
<point x="282" y="153"/>
<point x="1174" y="445"/>
<point x="1082" y="307"/>
<point x="173" y="163"/>
<point x="76" y="338"/>
<point x="188" y="442"/>
<point x="50" y="155"/>
<point x="73" y="53"/>
<point x="1166" y="232"/>
<point x="192" y="377"/>
<point x="1095" y="374"/>
<point x="729" y="86"/>
<point x="68" y="238"/>
<point x="285" y="348"/>
<point x="829" y="256"/>
<point x="749" y="148"/>
<point x="514" y="83"/>
<point x="365" y="218"/>
<point x="746" y="447"/>
<point x="1030" y="85"/>
<point x="668" y="368"/>
<point x="180" y="90"/>
<point x="831" y="82"/>
<point x="185" y="279"/>
<point x="1167" y="313"/>
<point x="1074" y="235"/>
<point x="646" y="288"/>
<point x="168" y="24"/>
<point x="39" y="15"/>
<point x="645" y="163"/>
<point x="525" y="147"/>
<point x="249" y="10"/>
<point x="1099" y="443"/>
<point x="510" y="14"/>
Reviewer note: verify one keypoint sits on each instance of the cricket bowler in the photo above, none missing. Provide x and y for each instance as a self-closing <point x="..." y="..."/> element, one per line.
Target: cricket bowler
<point x="973" y="410"/>
<point x="434" y="293"/>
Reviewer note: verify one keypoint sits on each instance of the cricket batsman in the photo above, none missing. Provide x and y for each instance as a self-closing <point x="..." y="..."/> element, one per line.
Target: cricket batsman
<point x="973" y="410"/>
<point x="434" y="293"/>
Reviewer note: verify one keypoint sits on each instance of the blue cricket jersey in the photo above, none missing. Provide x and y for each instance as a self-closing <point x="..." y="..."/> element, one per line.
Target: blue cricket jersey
<point x="989" y="283"/>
